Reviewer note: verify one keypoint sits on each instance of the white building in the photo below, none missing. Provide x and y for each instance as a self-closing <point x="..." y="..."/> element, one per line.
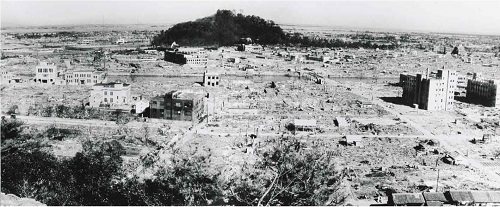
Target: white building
<point x="140" y="105"/>
<point x="110" y="94"/>
<point x="85" y="77"/>
<point x="46" y="73"/>
<point x="120" y="41"/>
<point x="210" y="79"/>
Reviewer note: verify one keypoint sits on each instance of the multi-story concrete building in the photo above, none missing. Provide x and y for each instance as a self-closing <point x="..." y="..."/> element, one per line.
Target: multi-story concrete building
<point x="178" y="105"/>
<point x="485" y="92"/>
<point x="191" y="56"/>
<point x="430" y="93"/>
<point x="85" y="77"/>
<point x="46" y="73"/>
<point x="110" y="94"/>
<point x="210" y="79"/>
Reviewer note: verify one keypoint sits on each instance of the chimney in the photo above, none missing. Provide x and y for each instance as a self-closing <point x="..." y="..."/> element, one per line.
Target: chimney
<point x="427" y="73"/>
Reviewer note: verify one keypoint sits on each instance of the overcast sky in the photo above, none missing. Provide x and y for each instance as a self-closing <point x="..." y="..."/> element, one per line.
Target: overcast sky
<point x="437" y="16"/>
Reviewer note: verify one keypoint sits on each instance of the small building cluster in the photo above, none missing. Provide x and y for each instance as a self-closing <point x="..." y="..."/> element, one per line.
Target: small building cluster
<point x="8" y="78"/>
<point x="437" y="92"/>
<point x="48" y="73"/>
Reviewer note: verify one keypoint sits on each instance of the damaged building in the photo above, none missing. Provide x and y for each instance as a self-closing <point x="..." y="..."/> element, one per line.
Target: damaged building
<point x="190" y="56"/>
<point x="178" y="105"/>
<point x="484" y="92"/>
<point x="430" y="93"/>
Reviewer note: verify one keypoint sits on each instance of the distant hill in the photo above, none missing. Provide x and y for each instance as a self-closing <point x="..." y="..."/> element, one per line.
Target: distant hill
<point x="221" y="29"/>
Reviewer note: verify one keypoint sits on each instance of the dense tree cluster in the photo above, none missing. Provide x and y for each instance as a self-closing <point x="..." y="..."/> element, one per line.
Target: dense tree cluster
<point x="80" y="112"/>
<point x="222" y="29"/>
<point x="286" y="174"/>
<point x="226" y="28"/>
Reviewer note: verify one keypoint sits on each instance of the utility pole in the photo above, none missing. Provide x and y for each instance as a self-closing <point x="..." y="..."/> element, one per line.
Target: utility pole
<point x="437" y="180"/>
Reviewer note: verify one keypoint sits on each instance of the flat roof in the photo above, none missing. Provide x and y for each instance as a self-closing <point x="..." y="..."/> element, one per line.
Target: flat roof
<point x="341" y="121"/>
<point x="186" y="95"/>
<point x="82" y="70"/>
<point x="304" y="122"/>
<point x="408" y="198"/>
<point x="486" y="196"/>
<point x="111" y="84"/>
<point x="435" y="196"/>
<point x="354" y="138"/>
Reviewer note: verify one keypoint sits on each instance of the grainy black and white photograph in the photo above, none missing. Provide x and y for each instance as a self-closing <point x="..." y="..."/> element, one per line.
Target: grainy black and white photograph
<point x="250" y="103"/>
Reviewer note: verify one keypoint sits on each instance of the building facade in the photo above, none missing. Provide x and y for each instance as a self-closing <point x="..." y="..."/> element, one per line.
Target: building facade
<point x="178" y="105"/>
<point x="430" y="93"/>
<point x="110" y="94"/>
<point x="46" y="73"/>
<point x="210" y="79"/>
<point x="85" y="77"/>
<point x="484" y="92"/>
<point x="192" y="56"/>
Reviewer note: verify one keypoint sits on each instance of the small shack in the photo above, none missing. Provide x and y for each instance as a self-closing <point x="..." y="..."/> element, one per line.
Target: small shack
<point x="487" y="138"/>
<point x="341" y="122"/>
<point x="459" y="197"/>
<point x="406" y="199"/>
<point x="304" y="124"/>
<point x="486" y="198"/>
<point x="365" y="104"/>
<point x="354" y="140"/>
<point x="435" y="199"/>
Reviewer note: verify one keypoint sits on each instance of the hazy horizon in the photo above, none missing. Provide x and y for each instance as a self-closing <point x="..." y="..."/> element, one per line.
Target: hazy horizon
<point x="464" y="17"/>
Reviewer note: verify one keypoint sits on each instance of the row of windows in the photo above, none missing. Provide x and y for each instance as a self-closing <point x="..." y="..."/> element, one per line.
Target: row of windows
<point x="213" y="83"/>
<point x="212" y="77"/>
<point x="111" y="100"/>
<point x="84" y="75"/>
<point x="45" y="70"/>
<point x="178" y="112"/>
<point x="162" y="103"/>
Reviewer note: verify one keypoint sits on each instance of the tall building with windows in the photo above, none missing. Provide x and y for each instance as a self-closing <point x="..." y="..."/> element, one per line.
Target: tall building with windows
<point x="46" y="73"/>
<point x="432" y="92"/>
<point x="110" y="94"/>
<point x="485" y="92"/>
<point x="178" y="105"/>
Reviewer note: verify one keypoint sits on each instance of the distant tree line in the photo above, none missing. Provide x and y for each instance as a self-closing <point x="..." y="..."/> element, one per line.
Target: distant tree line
<point x="78" y="112"/>
<point x="55" y="34"/>
<point x="298" y="39"/>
